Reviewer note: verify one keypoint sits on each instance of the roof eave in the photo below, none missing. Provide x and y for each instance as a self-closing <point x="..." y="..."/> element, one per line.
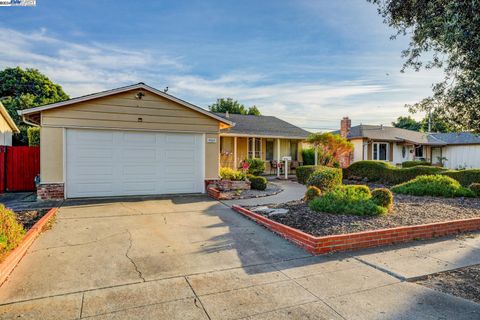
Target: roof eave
<point x="9" y="119"/>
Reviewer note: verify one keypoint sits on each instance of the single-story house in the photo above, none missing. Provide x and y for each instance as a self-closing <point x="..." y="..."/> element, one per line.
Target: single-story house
<point x="137" y="140"/>
<point x="7" y="127"/>
<point x="263" y="137"/>
<point x="397" y="145"/>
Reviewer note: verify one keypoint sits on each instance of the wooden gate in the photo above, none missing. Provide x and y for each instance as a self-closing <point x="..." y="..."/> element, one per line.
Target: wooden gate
<point x="18" y="168"/>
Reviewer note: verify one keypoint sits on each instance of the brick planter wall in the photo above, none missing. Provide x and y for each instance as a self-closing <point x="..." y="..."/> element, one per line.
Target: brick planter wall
<point x="366" y="239"/>
<point x="50" y="191"/>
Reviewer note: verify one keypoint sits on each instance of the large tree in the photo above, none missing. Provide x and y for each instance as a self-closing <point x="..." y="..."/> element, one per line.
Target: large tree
<point x="233" y="106"/>
<point x="332" y="147"/>
<point x="433" y="121"/>
<point x="22" y="89"/>
<point x="447" y="34"/>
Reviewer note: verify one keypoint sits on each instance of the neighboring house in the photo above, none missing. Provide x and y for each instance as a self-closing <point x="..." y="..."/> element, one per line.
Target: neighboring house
<point x="396" y="145"/>
<point x="264" y="137"/>
<point x="134" y="140"/>
<point x="7" y="127"/>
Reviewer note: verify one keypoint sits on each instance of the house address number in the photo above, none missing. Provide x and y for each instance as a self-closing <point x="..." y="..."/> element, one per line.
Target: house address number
<point x="211" y="140"/>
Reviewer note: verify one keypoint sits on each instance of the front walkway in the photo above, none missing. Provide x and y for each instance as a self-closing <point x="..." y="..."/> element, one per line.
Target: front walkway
<point x="193" y="258"/>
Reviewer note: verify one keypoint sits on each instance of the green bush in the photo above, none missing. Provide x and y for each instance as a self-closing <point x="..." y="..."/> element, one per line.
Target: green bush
<point x="308" y="156"/>
<point x="433" y="185"/>
<point x="11" y="232"/>
<point x="385" y="172"/>
<point x="358" y="189"/>
<point x="33" y="134"/>
<point x="475" y="187"/>
<point x="257" y="183"/>
<point x="312" y="193"/>
<point x="410" y="164"/>
<point x="383" y="197"/>
<point x="230" y="174"/>
<point x="255" y="166"/>
<point x="304" y="172"/>
<point x="325" y="178"/>
<point x="465" y="177"/>
<point x="347" y="200"/>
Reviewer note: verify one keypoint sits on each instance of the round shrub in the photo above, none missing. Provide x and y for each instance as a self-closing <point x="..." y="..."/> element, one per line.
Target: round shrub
<point x="433" y="185"/>
<point x="230" y="174"/>
<point x="325" y="178"/>
<point x="358" y="189"/>
<point x="475" y="187"/>
<point x="383" y="197"/>
<point x="257" y="183"/>
<point x="304" y="172"/>
<point x="11" y="232"/>
<point x="312" y="193"/>
<point x="255" y="166"/>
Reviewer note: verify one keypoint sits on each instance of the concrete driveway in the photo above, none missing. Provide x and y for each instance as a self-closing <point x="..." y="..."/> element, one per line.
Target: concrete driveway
<point x="193" y="258"/>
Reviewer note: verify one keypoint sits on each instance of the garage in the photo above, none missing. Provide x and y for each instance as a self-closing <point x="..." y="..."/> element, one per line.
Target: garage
<point x="102" y="163"/>
<point x="129" y="141"/>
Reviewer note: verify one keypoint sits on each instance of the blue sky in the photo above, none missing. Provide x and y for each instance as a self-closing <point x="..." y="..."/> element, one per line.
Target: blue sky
<point x="308" y="62"/>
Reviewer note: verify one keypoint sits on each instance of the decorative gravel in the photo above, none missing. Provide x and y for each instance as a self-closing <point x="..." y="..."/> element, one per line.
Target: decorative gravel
<point x="464" y="282"/>
<point x="29" y="218"/>
<point x="271" y="190"/>
<point x="407" y="211"/>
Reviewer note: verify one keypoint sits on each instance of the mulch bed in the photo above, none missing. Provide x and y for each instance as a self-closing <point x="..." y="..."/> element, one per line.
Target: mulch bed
<point x="464" y="282"/>
<point x="30" y="217"/>
<point x="407" y="211"/>
<point x="271" y="190"/>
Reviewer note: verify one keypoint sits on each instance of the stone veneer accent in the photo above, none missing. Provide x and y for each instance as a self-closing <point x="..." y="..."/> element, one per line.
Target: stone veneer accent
<point x="51" y="191"/>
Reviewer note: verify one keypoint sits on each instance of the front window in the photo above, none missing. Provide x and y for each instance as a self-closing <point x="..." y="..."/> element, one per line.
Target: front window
<point x="294" y="150"/>
<point x="254" y="147"/>
<point x="418" y="151"/>
<point x="269" y="149"/>
<point x="380" y="151"/>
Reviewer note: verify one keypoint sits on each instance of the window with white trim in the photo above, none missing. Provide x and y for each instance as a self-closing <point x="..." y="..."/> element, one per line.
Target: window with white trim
<point x="254" y="147"/>
<point x="380" y="151"/>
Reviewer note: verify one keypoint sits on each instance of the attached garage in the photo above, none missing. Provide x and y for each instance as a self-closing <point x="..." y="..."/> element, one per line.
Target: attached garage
<point x="134" y="140"/>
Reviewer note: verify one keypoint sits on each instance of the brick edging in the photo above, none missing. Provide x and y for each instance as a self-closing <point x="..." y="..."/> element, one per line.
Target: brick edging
<point x="364" y="239"/>
<point x="14" y="257"/>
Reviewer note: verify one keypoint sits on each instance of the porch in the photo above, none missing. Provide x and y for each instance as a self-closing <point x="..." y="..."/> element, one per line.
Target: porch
<point x="235" y="149"/>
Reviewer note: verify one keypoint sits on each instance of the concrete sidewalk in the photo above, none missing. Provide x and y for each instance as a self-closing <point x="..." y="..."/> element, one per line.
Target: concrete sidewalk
<point x="193" y="258"/>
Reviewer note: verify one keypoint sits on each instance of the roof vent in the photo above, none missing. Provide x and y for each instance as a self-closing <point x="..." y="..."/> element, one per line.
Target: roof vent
<point x="227" y="114"/>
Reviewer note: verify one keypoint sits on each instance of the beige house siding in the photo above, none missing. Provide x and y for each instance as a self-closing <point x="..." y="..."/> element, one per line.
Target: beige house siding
<point x="5" y="133"/>
<point x="123" y="112"/>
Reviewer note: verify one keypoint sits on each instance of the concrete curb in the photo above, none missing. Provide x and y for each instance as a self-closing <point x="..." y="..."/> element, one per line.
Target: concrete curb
<point x="365" y="239"/>
<point x="11" y="261"/>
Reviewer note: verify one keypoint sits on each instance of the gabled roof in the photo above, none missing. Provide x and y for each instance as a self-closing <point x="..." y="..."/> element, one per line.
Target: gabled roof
<point x="262" y="126"/>
<point x="457" y="138"/>
<point x="140" y="85"/>
<point x="8" y="119"/>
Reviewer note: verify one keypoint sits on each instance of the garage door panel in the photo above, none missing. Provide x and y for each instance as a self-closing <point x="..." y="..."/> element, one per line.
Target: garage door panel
<point x="132" y="163"/>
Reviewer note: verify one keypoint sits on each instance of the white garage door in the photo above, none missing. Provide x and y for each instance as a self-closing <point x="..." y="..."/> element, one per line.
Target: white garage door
<point x="103" y="163"/>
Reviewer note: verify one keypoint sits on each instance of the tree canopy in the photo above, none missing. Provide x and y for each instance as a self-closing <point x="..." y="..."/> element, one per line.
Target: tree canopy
<point x="447" y="32"/>
<point x="332" y="147"/>
<point x="437" y="124"/>
<point x="233" y="106"/>
<point x="22" y="89"/>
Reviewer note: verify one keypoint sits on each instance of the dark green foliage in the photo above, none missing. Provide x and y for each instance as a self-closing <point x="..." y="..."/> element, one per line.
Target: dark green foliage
<point x="22" y="89"/>
<point x="358" y="189"/>
<point x="433" y="185"/>
<point x="11" y="232"/>
<point x="407" y="123"/>
<point x="233" y="106"/>
<point x="304" y="172"/>
<point x="33" y="136"/>
<point x="308" y="156"/>
<point x="257" y="183"/>
<point x="384" y="172"/>
<point x="347" y="200"/>
<point x="325" y="178"/>
<point x="475" y="187"/>
<point x="255" y="166"/>
<point x="312" y="193"/>
<point x="465" y="177"/>
<point x="437" y="124"/>
<point x="383" y="198"/>
<point x="410" y="164"/>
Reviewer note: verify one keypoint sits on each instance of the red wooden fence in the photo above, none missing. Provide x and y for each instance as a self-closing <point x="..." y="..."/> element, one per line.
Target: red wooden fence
<point x="19" y="166"/>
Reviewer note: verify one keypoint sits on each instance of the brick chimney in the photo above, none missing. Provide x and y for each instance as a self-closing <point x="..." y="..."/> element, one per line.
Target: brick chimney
<point x="345" y="125"/>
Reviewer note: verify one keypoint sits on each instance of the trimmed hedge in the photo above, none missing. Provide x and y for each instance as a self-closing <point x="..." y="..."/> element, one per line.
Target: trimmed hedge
<point x="325" y="178"/>
<point x="475" y="187"/>
<point x="308" y="156"/>
<point x="231" y="174"/>
<point x="347" y="200"/>
<point x="11" y="232"/>
<point x="385" y="172"/>
<point x="465" y="177"/>
<point x="304" y="172"/>
<point x="312" y="193"/>
<point x="257" y="183"/>
<point x="383" y="197"/>
<point x="33" y="134"/>
<point x="410" y="164"/>
<point x="433" y="185"/>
